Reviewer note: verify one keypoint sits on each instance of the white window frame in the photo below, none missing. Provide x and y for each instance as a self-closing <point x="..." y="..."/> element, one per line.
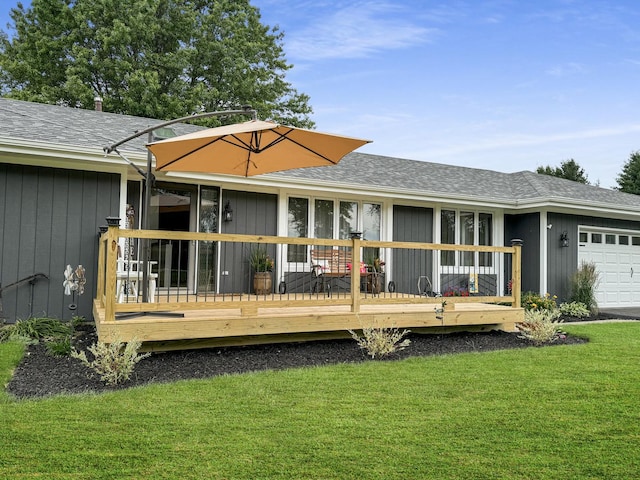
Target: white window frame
<point x="458" y="267"/>
<point x="299" y="266"/>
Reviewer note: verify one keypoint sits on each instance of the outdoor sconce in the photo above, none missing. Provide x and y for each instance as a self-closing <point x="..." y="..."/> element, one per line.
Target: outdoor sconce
<point x="564" y="239"/>
<point x="227" y="213"/>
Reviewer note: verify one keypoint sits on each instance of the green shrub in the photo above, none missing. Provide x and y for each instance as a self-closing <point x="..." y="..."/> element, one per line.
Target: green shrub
<point x="583" y="286"/>
<point x="380" y="342"/>
<point x="533" y="301"/>
<point x="75" y="321"/>
<point x="114" y="362"/>
<point x="540" y="326"/>
<point x="574" y="309"/>
<point x="58" y="346"/>
<point x="32" y="330"/>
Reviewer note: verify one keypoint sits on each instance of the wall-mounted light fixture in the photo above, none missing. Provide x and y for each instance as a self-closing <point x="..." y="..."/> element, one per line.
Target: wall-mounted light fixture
<point x="564" y="239"/>
<point x="227" y="213"/>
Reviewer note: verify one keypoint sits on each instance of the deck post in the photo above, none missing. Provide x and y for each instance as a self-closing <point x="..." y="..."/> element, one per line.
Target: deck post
<point x="101" y="266"/>
<point x="112" y="259"/>
<point x="516" y="272"/>
<point x="355" y="272"/>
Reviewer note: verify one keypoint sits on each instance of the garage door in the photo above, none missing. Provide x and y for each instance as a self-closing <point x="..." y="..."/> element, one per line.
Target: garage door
<point x="617" y="259"/>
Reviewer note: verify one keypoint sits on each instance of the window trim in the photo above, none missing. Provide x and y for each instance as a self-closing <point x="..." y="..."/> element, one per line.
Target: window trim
<point x="311" y="215"/>
<point x="458" y="264"/>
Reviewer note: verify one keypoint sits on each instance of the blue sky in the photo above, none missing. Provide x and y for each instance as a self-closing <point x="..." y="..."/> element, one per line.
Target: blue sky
<point x="497" y="84"/>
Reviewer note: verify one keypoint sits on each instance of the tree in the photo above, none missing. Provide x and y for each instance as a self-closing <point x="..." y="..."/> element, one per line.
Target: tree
<point x="629" y="179"/>
<point x="569" y="169"/>
<point x="154" y="58"/>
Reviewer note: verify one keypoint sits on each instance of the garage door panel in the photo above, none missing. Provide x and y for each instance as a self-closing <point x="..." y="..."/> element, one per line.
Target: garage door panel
<point x="609" y="277"/>
<point x="625" y="297"/>
<point x="618" y="267"/>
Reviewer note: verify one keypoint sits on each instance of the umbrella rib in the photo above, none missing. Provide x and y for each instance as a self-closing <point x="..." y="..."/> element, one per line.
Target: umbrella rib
<point x="283" y="136"/>
<point x="186" y="154"/>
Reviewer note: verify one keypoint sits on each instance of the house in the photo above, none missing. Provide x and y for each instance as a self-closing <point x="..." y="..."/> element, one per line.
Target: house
<point x="57" y="186"/>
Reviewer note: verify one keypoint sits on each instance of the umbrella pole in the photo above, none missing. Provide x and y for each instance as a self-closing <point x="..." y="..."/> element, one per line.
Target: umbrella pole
<point x="148" y="185"/>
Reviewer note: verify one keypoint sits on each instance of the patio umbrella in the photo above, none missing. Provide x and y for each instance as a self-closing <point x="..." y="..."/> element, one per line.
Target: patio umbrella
<point x="251" y="148"/>
<point x="244" y="149"/>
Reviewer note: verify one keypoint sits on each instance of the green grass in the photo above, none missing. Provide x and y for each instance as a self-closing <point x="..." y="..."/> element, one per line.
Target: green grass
<point x="558" y="412"/>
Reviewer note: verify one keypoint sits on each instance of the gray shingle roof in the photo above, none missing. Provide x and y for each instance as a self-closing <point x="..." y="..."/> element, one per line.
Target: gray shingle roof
<point x="92" y="129"/>
<point x="74" y="126"/>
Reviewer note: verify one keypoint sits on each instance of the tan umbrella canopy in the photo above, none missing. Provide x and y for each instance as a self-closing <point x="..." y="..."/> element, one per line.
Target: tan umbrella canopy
<point x="251" y="148"/>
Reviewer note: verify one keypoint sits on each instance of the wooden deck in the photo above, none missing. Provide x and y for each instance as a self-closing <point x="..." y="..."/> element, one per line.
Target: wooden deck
<point x="191" y="321"/>
<point x="247" y="320"/>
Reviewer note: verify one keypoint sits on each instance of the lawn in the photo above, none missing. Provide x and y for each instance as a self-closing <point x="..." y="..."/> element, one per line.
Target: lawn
<point x="536" y="413"/>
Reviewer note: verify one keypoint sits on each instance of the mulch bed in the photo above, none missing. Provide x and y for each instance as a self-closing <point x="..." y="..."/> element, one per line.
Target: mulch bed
<point x="42" y="375"/>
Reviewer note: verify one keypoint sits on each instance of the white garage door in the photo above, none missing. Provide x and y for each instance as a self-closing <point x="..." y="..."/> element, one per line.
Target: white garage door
<point x="617" y="259"/>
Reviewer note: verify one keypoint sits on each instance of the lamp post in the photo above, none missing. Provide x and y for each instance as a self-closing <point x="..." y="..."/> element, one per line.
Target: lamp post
<point x="150" y="178"/>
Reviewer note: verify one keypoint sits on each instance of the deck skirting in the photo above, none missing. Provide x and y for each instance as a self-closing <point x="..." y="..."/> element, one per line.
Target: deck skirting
<point x="222" y="326"/>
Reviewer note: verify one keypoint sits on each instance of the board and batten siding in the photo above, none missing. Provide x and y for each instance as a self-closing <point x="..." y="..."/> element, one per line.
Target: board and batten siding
<point x="562" y="262"/>
<point x="526" y="227"/>
<point x="412" y="224"/>
<point x="49" y="218"/>
<point x="253" y="214"/>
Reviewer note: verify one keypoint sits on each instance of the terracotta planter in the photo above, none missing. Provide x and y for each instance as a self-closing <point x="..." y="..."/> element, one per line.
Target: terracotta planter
<point x="262" y="283"/>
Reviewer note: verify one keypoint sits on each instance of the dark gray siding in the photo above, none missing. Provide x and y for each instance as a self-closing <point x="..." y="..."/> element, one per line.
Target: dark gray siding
<point x="527" y="228"/>
<point x="49" y="218"/>
<point x="411" y="224"/>
<point x="562" y="262"/>
<point x="253" y="214"/>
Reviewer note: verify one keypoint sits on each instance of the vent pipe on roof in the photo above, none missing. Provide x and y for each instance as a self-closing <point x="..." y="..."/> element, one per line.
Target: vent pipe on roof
<point x="97" y="102"/>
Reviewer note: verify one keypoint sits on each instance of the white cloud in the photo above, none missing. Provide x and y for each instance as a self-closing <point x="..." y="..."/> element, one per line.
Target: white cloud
<point x="355" y="31"/>
<point x="571" y="68"/>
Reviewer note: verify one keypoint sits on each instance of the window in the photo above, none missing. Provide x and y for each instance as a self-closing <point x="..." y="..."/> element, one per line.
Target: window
<point x="485" y="232"/>
<point x="596" y="238"/>
<point x="371" y="230"/>
<point x="623" y="240"/>
<point x="448" y="235"/>
<point x="584" y="237"/>
<point x="348" y="219"/>
<point x="467" y="234"/>
<point x="635" y="241"/>
<point x="331" y="219"/>
<point x="469" y="228"/>
<point x="610" y="239"/>
<point x="207" y="251"/>
<point x="323" y="224"/>
<point x="298" y="227"/>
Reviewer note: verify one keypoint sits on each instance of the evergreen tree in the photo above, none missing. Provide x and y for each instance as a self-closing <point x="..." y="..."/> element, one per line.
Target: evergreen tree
<point x="569" y="169"/>
<point x="629" y="179"/>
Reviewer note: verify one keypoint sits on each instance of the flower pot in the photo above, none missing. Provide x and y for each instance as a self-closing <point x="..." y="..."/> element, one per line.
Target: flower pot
<point x="375" y="283"/>
<point x="262" y="283"/>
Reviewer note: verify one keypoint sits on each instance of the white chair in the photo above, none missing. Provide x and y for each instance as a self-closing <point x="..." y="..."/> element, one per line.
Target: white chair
<point x="128" y="277"/>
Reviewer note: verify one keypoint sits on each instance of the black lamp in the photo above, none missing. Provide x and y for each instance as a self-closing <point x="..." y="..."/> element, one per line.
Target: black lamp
<point x="227" y="213"/>
<point x="564" y="239"/>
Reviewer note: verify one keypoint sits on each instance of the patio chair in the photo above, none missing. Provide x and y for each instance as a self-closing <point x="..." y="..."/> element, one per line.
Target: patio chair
<point x="425" y="288"/>
<point x="327" y="266"/>
<point x="128" y="277"/>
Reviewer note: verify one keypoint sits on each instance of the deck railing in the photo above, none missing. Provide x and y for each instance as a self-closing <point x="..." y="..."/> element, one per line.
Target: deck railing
<point x="189" y="271"/>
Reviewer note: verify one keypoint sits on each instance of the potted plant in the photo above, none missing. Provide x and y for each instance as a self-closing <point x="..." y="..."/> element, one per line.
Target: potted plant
<point x="375" y="275"/>
<point x="262" y="265"/>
